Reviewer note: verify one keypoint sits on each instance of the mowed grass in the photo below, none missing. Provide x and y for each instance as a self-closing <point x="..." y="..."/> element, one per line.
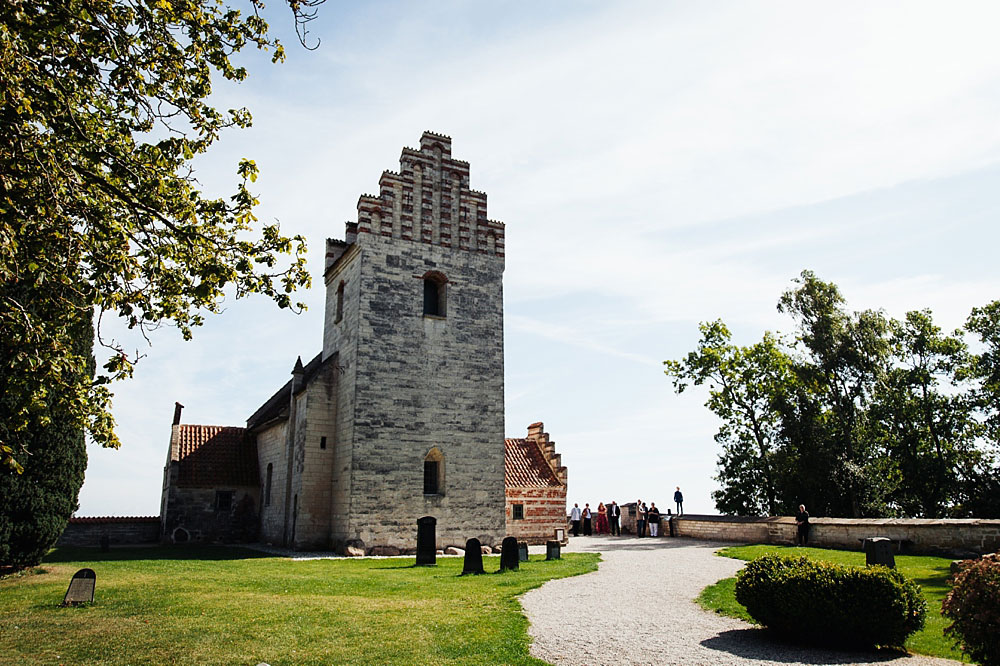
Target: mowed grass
<point x="220" y="605"/>
<point x="931" y="573"/>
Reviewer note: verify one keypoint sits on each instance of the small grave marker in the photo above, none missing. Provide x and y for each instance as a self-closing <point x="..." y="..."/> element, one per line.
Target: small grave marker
<point x="426" y="541"/>
<point x="522" y="551"/>
<point x="552" y="550"/>
<point x="473" y="557"/>
<point x="509" y="554"/>
<point x="81" y="588"/>
<point x="878" y="551"/>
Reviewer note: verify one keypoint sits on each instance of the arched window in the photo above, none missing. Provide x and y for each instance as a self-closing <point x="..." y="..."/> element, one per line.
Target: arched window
<point x="435" y="294"/>
<point x="340" y="303"/>
<point x="434" y="472"/>
<point x="267" y="484"/>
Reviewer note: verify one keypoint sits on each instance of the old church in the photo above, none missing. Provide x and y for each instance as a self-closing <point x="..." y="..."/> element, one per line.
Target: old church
<point x="401" y="414"/>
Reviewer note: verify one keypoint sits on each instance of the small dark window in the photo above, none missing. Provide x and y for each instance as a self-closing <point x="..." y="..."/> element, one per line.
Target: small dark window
<point x="322" y="442"/>
<point x="435" y="294"/>
<point x="430" y="477"/>
<point x="267" y="485"/>
<point x="517" y="511"/>
<point x="340" y="303"/>
<point x="223" y="500"/>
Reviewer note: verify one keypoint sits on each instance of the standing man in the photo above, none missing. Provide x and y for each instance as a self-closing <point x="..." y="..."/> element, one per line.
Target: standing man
<point x="679" y="500"/>
<point x="802" y="523"/>
<point x="587" y="523"/>
<point x="640" y="518"/>
<point x="574" y="516"/>
<point x="653" y="516"/>
<point x="614" y="519"/>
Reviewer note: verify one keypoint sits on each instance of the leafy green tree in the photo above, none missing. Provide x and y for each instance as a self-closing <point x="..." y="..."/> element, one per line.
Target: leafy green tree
<point x="38" y="501"/>
<point x="926" y="417"/>
<point x="843" y="357"/>
<point x="984" y="366"/>
<point x="981" y="497"/>
<point x="103" y="108"/>
<point x="744" y="384"/>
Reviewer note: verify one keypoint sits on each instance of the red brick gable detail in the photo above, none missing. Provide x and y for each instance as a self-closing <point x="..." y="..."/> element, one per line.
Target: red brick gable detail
<point x="535" y="479"/>
<point x="213" y="456"/>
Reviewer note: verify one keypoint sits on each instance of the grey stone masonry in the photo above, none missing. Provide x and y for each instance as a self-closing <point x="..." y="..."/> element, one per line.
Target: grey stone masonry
<point x="414" y="386"/>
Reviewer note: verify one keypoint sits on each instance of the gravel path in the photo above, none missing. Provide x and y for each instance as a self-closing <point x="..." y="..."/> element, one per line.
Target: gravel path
<point x="638" y="608"/>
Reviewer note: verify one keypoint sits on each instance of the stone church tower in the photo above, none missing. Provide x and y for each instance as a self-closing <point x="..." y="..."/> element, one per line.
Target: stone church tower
<point x="402" y="414"/>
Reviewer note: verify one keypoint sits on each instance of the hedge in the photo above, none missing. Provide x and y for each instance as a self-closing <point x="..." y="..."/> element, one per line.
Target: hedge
<point x="818" y="602"/>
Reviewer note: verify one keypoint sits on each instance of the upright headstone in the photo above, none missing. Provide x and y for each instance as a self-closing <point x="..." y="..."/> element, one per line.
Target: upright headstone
<point x="671" y="525"/>
<point x="473" y="557"/>
<point x="522" y="551"/>
<point x="508" y="554"/>
<point x="878" y="551"/>
<point x="81" y="588"/>
<point x="552" y="550"/>
<point x="426" y="541"/>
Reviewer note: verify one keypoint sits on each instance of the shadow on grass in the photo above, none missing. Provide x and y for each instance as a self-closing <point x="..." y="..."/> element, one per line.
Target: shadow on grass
<point x="187" y="552"/>
<point x="761" y="644"/>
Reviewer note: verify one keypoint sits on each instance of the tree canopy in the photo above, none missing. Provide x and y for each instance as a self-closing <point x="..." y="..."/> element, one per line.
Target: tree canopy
<point x="857" y="415"/>
<point x="104" y="106"/>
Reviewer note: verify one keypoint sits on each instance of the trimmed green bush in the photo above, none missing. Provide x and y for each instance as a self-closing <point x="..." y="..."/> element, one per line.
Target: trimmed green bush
<point x="973" y="605"/>
<point x="818" y="602"/>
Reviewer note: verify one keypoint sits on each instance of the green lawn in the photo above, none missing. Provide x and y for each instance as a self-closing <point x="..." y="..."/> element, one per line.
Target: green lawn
<point x="931" y="573"/>
<point x="219" y="605"/>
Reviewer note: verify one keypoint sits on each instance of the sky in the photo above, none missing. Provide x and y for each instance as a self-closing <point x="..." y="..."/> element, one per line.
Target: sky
<point x="657" y="164"/>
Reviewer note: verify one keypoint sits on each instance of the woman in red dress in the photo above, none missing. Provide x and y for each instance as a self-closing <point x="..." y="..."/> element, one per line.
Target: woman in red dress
<point x="602" y="519"/>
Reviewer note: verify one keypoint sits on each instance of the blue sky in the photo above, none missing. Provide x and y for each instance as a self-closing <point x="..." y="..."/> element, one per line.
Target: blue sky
<point x="657" y="164"/>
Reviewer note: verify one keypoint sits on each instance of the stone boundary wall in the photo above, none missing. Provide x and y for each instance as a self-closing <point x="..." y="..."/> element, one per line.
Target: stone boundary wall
<point x="120" y="531"/>
<point x="913" y="535"/>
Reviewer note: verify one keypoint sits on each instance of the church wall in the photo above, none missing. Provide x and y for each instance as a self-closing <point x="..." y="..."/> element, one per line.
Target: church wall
<point x="426" y="382"/>
<point x="341" y="338"/>
<point x="315" y="453"/>
<point x="271" y="444"/>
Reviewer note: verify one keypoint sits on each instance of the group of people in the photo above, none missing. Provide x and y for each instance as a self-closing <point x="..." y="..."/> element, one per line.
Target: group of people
<point x="607" y="518"/>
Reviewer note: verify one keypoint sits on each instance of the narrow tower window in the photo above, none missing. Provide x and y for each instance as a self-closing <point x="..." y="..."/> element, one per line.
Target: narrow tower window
<point x="434" y="472"/>
<point x="267" y="485"/>
<point x="435" y="293"/>
<point x="340" y="303"/>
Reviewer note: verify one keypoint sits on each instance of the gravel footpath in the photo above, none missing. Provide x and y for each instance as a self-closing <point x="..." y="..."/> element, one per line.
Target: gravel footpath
<point x="638" y="608"/>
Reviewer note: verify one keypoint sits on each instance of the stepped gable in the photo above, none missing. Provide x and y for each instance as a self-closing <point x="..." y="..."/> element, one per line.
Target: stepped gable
<point x="214" y="456"/>
<point x="532" y="462"/>
<point x="429" y="201"/>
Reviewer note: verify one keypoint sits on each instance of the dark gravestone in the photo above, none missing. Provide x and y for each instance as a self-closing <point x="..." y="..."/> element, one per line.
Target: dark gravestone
<point x="81" y="588"/>
<point x="426" y="541"/>
<point x="522" y="551"/>
<point x="671" y="526"/>
<point x="878" y="551"/>
<point x="508" y="554"/>
<point x="473" y="557"/>
<point x="552" y="550"/>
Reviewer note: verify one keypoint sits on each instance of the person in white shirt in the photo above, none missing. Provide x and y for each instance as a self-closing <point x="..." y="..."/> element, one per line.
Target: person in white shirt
<point x="574" y="516"/>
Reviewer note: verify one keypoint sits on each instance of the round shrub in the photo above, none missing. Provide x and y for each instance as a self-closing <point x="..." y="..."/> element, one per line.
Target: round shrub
<point x="817" y="602"/>
<point x="973" y="605"/>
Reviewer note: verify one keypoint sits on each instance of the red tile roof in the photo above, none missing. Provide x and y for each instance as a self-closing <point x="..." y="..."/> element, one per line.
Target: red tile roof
<point x="525" y="466"/>
<point x="215" y="456"/>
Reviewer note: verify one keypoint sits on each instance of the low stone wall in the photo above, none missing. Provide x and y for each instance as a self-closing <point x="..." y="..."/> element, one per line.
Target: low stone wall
<point x="946" y="536"/>
<point x="120" y="531"/>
